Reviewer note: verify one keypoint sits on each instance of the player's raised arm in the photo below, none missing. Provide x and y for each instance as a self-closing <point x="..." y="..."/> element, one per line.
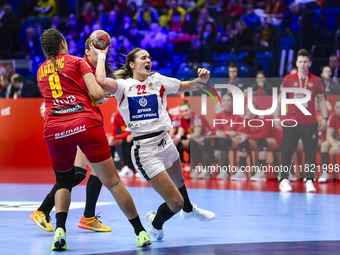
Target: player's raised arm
<point x="107" y="84"/>
<point x="203" y="77"/>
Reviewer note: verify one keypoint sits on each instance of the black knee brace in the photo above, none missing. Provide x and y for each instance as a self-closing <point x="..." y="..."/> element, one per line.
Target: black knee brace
<point x="225" y="143"/>
<point x="65" y="180"/>
<point x="243" y="146"/>
<point x="80" y="174"/>
<point x="262" y="144"/>
<point x="206" y="144"/>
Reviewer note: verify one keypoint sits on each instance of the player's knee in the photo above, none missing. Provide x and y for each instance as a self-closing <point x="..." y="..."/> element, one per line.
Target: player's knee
<point x="262" y="144"/>
<point x="244" y="146"/>
<point x="176" y="204"/>
<point x="80" y="174"/>
<point x="65" y="180"/>
<point x="225" y="143"/>
<point x="206" y="143"/>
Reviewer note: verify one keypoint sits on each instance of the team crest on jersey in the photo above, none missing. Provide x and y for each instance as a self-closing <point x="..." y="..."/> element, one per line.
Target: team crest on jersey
<point x="310" y="84"/>
<point x="143" y="102"/>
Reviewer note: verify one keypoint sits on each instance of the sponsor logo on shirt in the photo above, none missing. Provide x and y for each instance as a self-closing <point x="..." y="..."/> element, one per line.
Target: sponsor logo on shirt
<point x="68" y="109"/>
<point x="143" y="108"/>
<point x="70" y="132"/>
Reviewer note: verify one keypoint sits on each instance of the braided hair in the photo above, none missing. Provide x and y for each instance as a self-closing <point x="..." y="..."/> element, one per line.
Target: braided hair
<point x="126" y="70"/>
<point x="50" y="43"/>
<point x="108" y="68"/>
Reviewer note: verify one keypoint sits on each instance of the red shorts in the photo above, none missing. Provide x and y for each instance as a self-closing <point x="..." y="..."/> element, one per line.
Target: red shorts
<point x="88" y="134"/>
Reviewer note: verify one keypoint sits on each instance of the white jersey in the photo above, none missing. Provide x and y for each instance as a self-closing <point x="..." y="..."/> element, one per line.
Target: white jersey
<point x="142" y="104"/>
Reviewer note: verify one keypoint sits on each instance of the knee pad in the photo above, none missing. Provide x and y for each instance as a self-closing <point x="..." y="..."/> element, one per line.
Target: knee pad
<point x="206" y="144"/>
<point x="80" y="174"/>
<point x="243" y="146"/>
<point x="225" y="143"/>
<point x="65" y="180"/>
<point x="262" y="144"/>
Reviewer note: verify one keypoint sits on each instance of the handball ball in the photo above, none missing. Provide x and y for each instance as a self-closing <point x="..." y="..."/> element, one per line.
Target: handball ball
<point x="100" y="39"/>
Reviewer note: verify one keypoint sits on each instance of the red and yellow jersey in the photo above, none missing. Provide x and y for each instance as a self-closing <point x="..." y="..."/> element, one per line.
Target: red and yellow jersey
<point x="268" y="130"/>
<point x="334" y="122"/>
<point x="118" y="123"/>
<point x="319" y="117"/>
<point x="231" y="118"/>
<point x="311" y="83"/>
<point x="66" y="98"/>
<point x="196" y="121"/>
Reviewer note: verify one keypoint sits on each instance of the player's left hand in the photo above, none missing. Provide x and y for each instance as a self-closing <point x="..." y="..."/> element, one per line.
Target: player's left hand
<point x="322" y="125"/>
<point x="203" y="73"/>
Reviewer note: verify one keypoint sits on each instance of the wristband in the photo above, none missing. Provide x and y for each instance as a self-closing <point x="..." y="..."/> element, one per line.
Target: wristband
<point x="102" y="56"/>
<point x="325" y="118"/>
<point x="183" y="137"/>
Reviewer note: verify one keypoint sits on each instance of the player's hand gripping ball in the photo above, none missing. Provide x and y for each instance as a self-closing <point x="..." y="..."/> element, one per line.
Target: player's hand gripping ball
<point x="100" y="39"/>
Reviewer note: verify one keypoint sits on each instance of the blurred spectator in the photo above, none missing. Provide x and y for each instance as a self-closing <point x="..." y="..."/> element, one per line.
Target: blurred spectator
<point x="334" y="64"/>
<point x="215" y="7"/>
<point x="294" y="19"/>
<point x="222" y="40"/>
<point x="114" y="59"/>
<point x="96" y="27"/>
<point x="72" y="30"/>
<point x="46" y="8"/>
<point x="73" y="49"/>
<point x="161" y="53"/>
<point x="102" y="16"/>
<point x="126" y="46"/>
<point x="189" y="25"/>
<point x="261" y="86"/>
<point x="326" y="78"/>
<point x="5" y="85"/>
<point x="9" y="29"/>
<point x="164" y="16"/>
<point x="174" y="6"/>
<point x="87" y="16"/>
<point x="250" y="18"/>
<point x="157" y="3"/>
<point x="149" y="38"/>
<point x="234" y="10"/>
<point x="132" y="10"/>
<point x="276" y="9"/>
<point x="31" y="46"/>
<point x="267" y="35"/>
<point x="293" y="70"/>
<point x="124" y="26"/>
<point x="308" y="3"/>
<point x="198" y="54"/>
<point x="56" y="24"/>
<point x="261" y="4"/>
<point x="134" y="37"/>
<point x="112" y="24"/>
<point x="176" y="22"/>
<point x="25" y="88"/>
<point x="83" y="37"/>
<point x="203" y="18"/>
<point x="233" y="73"/>
<point x="243" y="36"/>
<point x="147" y="15"/>
<point x="26" y="10"/>
<point x="208" y="35"/>
<point x="9" y="70"/>
<point x="194" y="7"/>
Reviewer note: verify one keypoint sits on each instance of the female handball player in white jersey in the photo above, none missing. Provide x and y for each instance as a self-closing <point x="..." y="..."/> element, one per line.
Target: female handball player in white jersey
<point x="141" y="96"/>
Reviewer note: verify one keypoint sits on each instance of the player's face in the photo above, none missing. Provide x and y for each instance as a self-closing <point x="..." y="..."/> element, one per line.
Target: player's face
<point x="337" y="108"/>
<point x="227" y="103"/>
<point x="92" y="56"/>
<point x="142" y="65"/>
<point x="185" y="111"/>
<point x="303" y="64"/>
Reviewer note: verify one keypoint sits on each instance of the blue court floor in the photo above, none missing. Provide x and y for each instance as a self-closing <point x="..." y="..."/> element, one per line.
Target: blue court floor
<point x="247" y="222"/>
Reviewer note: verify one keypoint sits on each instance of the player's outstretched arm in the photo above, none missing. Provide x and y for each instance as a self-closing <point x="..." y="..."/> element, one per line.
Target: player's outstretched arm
<point x="108" y="84"/>
<point x="203" y="77"/>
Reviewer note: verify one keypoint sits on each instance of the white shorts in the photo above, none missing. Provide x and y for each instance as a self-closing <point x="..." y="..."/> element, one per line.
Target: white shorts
<point x="153" y="155"/>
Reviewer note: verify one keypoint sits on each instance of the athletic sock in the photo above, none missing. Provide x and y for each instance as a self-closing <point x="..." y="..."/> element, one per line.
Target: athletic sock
<point x="243" y="161"/>
<point x="61" y="220"/>
<point x="48" y="203"/>
<point x="137" y="225"/>
<point x="163" y="214"/>
<point x="93" y="187"/>
<point x="187" y="206"/>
